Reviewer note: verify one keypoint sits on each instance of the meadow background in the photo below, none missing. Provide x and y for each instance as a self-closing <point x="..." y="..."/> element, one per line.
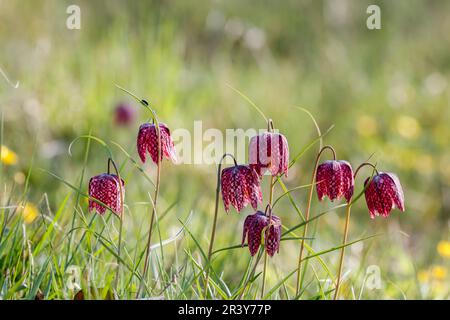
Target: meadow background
<point x="385" y="91"/>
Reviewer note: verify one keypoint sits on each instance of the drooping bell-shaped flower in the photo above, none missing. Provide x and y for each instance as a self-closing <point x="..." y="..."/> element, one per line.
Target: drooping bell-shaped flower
<point x="240" y="186"/>
<point x="334" y="180"/>
<point x="269" y="151"/>
<point x="124" y="114"/>
<point x="273" y="236"/>
<point x="147" y="141"/>
<point x="254" y="225"/>
<point x="106" y="189"/>
<point x="383" y="193"/>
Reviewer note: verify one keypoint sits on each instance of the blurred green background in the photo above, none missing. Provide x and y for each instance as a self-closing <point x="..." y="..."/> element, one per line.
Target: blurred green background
<point x="386" y="91"/>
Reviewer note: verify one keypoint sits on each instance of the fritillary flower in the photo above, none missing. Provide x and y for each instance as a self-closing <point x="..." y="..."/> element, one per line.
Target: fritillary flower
<point x="147" y="141"/>
<point x="124" y="114"/>
<point x="273" y="236"/>
<point x="269" y="151"/>
<point x="240" y="186"/>
<point x="334" y="180"/>
<point x="106" y="189"/>
<point x="383" y="193"/>
<point x="253" y="227"/>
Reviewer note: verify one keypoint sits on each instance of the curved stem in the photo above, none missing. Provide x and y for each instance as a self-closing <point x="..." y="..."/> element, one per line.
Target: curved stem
<point x="143" y="102"/>
<point x="155" y="201"/>
<point x="308" y="210"/>
<point x="341" y="258"/>
<point x="269" y="206"/>
<point x="346" y="228"/>
<point x="363" y="165"/>
<point x="119" y="244"/>
<point x="216" y="210"/>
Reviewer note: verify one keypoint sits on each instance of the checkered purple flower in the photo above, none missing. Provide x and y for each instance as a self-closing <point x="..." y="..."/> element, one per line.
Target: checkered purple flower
<point x="240" y="186"/>
<point x="106" y="189"/>
<point x="384" y="193"/>
<point x="334" y="180"/>
<point x="269" y="151"/>
<point x="254" y="225"/>
<point x="147" y="141"/>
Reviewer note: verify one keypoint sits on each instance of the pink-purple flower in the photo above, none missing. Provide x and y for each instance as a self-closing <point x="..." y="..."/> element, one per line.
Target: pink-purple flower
<point x="269" y="151"/>
<point x="254" y="225"/>
<point x="240" y="186"/>
<point x="147" y="141"/>
<point x="383" y="193"/>
<point x="124" y="114"/>
<point x="334" y="180"/>
<point x="106" y="189"/>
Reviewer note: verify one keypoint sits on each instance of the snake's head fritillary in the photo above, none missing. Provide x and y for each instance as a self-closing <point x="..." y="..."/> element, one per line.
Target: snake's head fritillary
<point x="147" y="141"/>
<point x="106" y="189"/>
<point x="273" y="236"/>
<point x="240" y="186"/>
<point x="383" y="193"/>
<point x="254" y="226"/>
<point x="334" y="180"/>
<point x="269" y="151"/>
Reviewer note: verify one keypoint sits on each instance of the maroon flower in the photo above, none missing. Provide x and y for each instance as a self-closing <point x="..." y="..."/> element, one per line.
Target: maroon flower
<point x="383" y="193"/>
<point x="269" y="151"/>
<point x="273" y="236"/>
<point x="106" y="189"/>
<point x="334" y="180"/>
<point x="124" y="114"/>
<point x="240" y="186"/>
<point x="253" y="227"/>
<point x="147" y="140"/>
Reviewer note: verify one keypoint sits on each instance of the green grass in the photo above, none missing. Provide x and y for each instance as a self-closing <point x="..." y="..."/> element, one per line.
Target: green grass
<point x="322" y="80"/>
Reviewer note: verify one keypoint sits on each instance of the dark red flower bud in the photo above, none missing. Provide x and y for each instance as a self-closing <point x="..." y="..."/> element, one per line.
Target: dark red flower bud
<point x="383" y="194"/>
<point x="269" y="151"/>
<point x="106" y="189"/>
<point x="334" y="180"/>
<point x="147" y="141"/>
<point x="253" y="227"/>
<point x="240" y="186"/>
<point x="124" y="114"/>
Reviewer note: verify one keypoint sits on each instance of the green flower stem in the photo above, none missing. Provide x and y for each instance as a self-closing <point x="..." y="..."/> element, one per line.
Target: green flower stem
<point x="308" y="210"/>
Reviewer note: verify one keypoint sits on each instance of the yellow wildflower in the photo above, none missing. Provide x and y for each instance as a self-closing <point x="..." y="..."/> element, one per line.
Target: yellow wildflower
<point x="8" y="157"/>
<point x="29" y="213"/>
<point x="439" y="272"/>
<point x="443" y="248"/>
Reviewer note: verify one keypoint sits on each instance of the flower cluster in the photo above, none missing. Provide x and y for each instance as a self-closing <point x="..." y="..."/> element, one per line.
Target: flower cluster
<point x="383" y="192"/>
<point x="104" y="189"/>
<point x="240" y="185"/>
